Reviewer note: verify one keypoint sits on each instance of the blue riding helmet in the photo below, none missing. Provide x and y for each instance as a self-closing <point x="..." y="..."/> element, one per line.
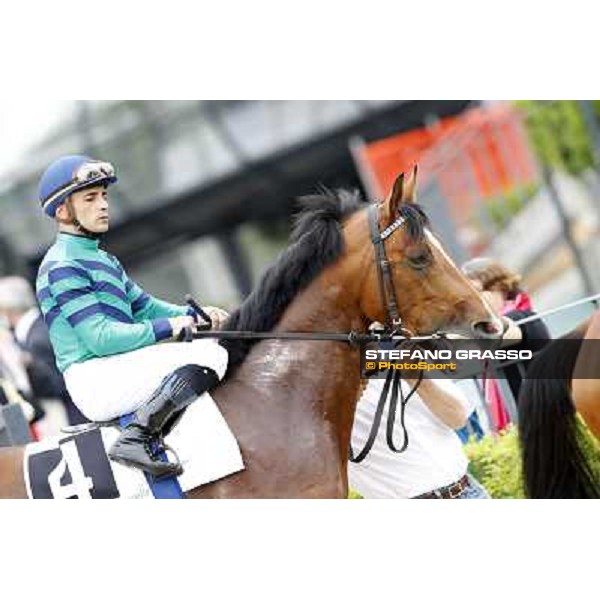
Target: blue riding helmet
<point x="69" y="174"/>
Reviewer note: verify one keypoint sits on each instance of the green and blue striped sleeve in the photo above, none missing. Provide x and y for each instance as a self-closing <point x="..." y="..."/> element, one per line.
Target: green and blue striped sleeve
<point x="144" y="306"/>
<point x="105" y="328"/>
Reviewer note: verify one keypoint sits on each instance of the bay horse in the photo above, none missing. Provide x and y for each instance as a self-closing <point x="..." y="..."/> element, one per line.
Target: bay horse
<point x="553" y="400"/>
<point x="291" y="404"/>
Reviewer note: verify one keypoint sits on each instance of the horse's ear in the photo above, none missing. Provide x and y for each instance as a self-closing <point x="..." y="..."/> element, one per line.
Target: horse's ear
<point x="409" y="193"/>
<point x="394" y="200"/>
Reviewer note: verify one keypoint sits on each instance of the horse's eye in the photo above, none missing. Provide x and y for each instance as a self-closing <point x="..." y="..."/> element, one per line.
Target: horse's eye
<point x="420" y="260"/>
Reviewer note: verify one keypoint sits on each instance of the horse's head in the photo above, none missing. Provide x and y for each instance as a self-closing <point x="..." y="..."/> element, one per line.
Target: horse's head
<point x="431" y="292"/>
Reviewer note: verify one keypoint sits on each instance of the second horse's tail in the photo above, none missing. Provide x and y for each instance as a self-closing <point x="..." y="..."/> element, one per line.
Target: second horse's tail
<point x="554" y="463"/>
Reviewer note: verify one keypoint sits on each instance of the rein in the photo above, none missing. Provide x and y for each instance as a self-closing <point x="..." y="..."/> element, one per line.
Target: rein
<point x="392" y="379"/>
<point x="352" y="337"/>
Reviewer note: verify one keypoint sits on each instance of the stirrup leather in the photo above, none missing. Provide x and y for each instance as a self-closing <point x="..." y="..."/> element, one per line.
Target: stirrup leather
<point x="157" y="446"/>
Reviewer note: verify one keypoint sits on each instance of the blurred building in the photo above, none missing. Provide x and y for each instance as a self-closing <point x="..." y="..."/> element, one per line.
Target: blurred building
<point x="206" y="188"/>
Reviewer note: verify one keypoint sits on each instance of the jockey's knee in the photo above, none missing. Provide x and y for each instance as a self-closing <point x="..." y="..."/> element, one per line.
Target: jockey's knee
<point x="93" y="413"/>
<point x="223" y="357"/>
<point x="212" y="355"/>
<point x="200" y="378"/>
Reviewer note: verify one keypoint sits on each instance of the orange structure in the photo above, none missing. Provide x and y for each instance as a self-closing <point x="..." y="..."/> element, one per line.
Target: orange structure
<point x="482" y="153"/>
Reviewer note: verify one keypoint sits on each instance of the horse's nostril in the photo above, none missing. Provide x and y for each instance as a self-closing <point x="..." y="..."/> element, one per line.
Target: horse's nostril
<point x="487" y="330"/>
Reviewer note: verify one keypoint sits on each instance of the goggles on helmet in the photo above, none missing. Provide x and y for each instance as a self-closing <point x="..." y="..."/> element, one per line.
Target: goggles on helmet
<point x="92" y="171"/>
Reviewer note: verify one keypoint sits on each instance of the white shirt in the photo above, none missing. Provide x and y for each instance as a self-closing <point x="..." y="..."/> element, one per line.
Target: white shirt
<point x="434" y="457"/>
<point x="25" y="323"/>
<point x="11" y="362"/>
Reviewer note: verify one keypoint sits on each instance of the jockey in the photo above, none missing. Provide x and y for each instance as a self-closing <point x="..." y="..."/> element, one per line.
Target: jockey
<point x="105" y="329"/>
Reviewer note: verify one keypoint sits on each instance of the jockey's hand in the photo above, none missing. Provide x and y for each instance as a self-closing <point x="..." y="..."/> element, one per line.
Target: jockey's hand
<point x="179" y="323"/>
<point x="217" y="315"/>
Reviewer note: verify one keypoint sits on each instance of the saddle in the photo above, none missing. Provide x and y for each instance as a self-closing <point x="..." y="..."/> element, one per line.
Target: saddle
<point x="76" y="464"/>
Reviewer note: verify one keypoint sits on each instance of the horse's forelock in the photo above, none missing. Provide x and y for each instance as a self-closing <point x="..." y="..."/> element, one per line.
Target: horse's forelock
<point x="416" y="221"/>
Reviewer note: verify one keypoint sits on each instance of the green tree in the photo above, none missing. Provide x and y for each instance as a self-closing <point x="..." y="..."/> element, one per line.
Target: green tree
<point x="558" y="133"/>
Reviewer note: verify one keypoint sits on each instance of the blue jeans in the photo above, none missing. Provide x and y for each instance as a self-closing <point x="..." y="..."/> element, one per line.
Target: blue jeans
<point x="475" y="491"/>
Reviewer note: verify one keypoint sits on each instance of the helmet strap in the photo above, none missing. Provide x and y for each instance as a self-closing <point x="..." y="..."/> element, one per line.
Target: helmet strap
<point x="73" y="220"/>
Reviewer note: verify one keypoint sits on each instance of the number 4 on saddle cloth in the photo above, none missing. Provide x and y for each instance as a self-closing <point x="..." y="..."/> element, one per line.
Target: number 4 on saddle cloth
<point x="76" y="466"/>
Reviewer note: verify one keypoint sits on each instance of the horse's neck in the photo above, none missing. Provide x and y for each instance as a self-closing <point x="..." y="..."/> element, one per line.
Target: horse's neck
<point x="330" y="370"/>
<point x="291" y="403"/>
<point x="325" y="305"/>
<point x="321" y="376"/>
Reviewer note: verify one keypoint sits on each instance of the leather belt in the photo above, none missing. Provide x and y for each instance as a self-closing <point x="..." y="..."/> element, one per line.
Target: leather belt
<point x="449" y="492"/>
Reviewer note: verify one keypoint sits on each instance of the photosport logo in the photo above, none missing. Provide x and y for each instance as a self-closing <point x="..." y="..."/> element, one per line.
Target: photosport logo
<point x="445" y="358"/>
<point x="409" y="360"/>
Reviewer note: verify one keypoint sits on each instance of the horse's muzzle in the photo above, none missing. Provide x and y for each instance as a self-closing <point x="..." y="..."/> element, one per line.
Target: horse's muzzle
<point x="488" y="330"/>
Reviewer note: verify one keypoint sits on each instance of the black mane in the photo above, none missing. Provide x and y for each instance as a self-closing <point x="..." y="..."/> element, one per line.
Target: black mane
<point x="316" y="242"/>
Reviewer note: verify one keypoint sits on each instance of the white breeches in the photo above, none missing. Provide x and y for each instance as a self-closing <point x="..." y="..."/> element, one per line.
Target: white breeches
<point x="108" y="387"/>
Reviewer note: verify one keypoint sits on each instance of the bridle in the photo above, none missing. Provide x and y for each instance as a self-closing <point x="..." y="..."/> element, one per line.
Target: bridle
<point x="393" y="325"/>
<point x="387" y="292"/>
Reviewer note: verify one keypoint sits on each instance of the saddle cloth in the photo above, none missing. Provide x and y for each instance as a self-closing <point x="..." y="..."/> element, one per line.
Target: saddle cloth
<point x="76" y="466"/>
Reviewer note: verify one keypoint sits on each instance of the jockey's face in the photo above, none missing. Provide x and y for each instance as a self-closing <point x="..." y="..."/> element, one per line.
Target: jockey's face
<point x="91" y="208"/>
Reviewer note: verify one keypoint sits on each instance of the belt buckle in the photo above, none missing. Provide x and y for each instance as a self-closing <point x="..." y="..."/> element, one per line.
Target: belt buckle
<point x="451" y="492"/>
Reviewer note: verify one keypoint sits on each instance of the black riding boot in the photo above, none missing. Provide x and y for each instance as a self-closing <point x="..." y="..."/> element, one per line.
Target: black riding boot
<point x="153" y="420"/>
